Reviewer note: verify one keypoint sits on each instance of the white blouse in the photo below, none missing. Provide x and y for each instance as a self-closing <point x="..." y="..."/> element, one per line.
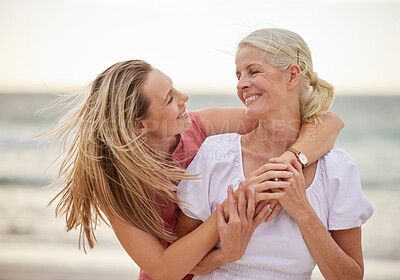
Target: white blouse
<point x="276" y="250"/>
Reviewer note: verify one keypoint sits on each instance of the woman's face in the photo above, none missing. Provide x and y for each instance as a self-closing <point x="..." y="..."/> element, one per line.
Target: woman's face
<point x="167" y="114"/>
<point x="261" y="87"/>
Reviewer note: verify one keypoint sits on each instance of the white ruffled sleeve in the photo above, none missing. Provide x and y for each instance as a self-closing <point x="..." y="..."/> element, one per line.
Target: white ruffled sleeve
<point x="348" y="205"/>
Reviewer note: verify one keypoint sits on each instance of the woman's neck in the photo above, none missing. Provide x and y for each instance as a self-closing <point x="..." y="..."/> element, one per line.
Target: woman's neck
<point x="274" y="134"/>
<point x="163" y="145"/>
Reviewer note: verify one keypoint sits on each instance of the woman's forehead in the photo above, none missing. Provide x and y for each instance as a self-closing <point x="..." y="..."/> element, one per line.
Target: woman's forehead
<point x="157" y="87"/>
<point x="250" y="55"/>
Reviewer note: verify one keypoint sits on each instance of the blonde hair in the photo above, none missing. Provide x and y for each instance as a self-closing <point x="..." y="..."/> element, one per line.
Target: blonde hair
<point x="108" y="167"/>
<point x="287" y="48"/>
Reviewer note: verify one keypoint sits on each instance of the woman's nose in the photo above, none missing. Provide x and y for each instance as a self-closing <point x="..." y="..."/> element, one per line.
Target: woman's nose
<point x="183" y="98"/>
<point x="242" y="83"/>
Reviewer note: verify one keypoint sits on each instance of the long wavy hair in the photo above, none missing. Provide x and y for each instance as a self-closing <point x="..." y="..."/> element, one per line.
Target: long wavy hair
<point x="106" y="166"/>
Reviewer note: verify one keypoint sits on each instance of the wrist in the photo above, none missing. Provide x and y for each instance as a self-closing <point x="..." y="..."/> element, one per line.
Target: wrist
<point x="300" y="157"/>
<point x="220" y="258"/>
<point x="305" y="215"/>
<point x="288" y="156"/>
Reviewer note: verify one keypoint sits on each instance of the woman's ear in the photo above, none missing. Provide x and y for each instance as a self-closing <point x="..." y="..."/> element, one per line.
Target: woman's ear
<point x="294" y="75"/>
<point x="140" y="126"/>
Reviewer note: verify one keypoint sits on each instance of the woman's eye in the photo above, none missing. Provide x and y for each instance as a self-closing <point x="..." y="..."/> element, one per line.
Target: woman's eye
<point x="170" y="99"/>
<point x="254" y="72"/>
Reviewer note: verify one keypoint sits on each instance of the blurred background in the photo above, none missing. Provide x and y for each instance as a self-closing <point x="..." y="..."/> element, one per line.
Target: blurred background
<point x="49" y="48"/>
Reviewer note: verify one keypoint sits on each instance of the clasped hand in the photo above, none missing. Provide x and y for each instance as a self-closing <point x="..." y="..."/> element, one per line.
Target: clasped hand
<point x="258" y="198"/>
<point x="244" y="217"/>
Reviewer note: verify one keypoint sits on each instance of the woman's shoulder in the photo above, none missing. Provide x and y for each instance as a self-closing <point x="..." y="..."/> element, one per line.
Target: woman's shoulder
<point x="337" y="160"/>
<point x="347" y="205"/>
<point x="223" y="142"/>
<point x="336" y="171"/>
<point x="216" y="149"/>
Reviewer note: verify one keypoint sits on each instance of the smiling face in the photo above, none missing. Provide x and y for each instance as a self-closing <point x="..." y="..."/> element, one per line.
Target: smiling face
<point x="167" y="116"/>
<point x="261" y="87"/>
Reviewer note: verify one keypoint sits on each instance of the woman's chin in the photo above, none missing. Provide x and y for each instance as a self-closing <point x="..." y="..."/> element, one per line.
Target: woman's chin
<point x="253" y="114"/>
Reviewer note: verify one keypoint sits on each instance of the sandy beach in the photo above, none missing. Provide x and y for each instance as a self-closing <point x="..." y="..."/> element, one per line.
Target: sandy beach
<point x="33" y="244"/>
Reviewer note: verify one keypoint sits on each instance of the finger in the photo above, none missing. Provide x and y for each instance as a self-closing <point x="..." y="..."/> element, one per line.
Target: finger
<point x="297" y="165"/>
<point x="269" y="166"/>
<point x="277" y="160"/>
<point x="272" y="174"/>
<point x="260" y="206"/>
<point x="251" y="204"/>
<point x="265" y="211"/>
<point x="233" y="212"/>
<point x="269" y="185"/>
<point x="242" y="204"/>
<point x="275" y="210"/>
<point x="221" y="223"/>
<point x="266" y="195"/>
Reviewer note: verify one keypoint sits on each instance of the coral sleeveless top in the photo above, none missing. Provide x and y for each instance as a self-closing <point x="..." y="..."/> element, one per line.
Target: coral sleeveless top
<point x="189" y="144"/>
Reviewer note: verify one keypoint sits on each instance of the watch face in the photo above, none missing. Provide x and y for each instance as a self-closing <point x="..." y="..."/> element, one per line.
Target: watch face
<point x="303" y="159"/>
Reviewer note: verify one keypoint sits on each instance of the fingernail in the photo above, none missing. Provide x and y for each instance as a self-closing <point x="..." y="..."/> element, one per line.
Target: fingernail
<point x="286" y="183"/>
<point x="253" y="192"/>
<point x="289" y="173"/>
<point x="283" y="165"/>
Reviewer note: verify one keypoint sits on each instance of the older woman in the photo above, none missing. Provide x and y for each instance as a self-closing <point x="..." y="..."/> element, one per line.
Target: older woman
<point x="323" y="207"/>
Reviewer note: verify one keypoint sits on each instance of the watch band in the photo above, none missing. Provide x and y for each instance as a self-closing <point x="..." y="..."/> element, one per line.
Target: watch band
<point x="297" y="154"/>
<point x="294" y="151"/>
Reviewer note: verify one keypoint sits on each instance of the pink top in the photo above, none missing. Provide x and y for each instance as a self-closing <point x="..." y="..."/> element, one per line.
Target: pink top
<point x="184" y="153"/>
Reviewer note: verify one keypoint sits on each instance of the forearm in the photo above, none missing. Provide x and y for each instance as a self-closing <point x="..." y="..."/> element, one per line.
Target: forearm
<point x="332" y="261"/>
<point x="175" y="261"/>
<point x="212" y="261"/>
<point x="315" y="140"/>
<point x="181" y="256"/>
<point x="226" y="120"/>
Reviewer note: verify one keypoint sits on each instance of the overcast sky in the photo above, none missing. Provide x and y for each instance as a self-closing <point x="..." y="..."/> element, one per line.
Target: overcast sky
<point x="62" y="45"/>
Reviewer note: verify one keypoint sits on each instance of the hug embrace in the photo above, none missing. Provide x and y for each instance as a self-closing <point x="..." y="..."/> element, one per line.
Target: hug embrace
<point x="257" y="192"/>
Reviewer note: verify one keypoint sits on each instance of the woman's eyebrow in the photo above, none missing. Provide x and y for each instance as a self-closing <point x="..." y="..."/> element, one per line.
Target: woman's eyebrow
<point x="248" y="66"/>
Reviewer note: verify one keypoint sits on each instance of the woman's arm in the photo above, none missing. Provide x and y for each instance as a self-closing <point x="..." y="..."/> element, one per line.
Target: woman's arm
<point x="314" y="140"/>
<point x="339" y="256"/>
<point x="226" y="120"/>
<point x="174" y="262"/>
<point x="260" y="182"/>
<point x="181" y="256"/>
<point x="234" y="239"/>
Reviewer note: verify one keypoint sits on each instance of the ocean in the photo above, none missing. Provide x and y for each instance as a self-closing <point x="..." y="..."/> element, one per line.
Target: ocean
<point x="371" y="136"/>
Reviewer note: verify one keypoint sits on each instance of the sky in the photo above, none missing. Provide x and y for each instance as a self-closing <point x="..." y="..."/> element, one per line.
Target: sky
<point x="60" y="46"/>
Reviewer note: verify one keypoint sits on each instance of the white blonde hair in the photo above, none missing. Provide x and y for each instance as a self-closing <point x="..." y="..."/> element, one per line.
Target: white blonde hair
<point x="287" y="48"/>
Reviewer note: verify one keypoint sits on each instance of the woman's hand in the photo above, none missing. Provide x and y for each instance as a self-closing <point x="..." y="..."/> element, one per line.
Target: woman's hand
<point x="274" y="207"/>
<point x="235" y="233"/>
<point x="263" y="181"/>
<point x="267" y="189"/>
<point x="295" y="197"/>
